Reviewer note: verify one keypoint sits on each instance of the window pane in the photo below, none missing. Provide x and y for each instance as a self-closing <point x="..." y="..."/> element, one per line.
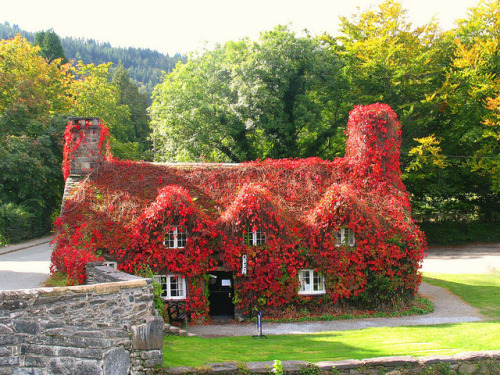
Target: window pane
<point x="176" y="287"/>
<point x="181" y="237"/>
<point x="318" y="285"/>
<point x="260" y="237"/>
<point x="176" y="238"/>
<point x="171" y="238"/>
<point x="338" y="237"/>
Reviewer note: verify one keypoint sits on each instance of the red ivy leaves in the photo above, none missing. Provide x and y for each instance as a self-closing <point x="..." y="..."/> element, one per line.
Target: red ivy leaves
<point x="298" y="203"/>
<point x="74" y="135"/>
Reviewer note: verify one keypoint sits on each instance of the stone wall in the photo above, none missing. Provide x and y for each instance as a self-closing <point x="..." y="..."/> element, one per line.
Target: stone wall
<point x="107" y="328"/>
<point x="480" y="363"/>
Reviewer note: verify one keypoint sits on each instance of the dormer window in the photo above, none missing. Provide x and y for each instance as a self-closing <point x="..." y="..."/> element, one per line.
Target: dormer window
<point x="255" y="237"/>
<point x="176" y="237"/>
<point x="345" y="237"/>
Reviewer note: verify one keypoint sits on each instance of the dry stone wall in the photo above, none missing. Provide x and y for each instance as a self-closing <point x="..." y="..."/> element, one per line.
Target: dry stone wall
<point x="106" y="328"/>
<point x="476" y="363"/>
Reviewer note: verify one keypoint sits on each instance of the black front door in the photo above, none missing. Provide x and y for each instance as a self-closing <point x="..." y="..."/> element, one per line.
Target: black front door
<point x="221" y="290"/>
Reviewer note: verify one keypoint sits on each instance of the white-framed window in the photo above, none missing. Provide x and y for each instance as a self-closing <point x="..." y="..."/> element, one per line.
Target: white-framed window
<point x="175" y="237"/>
<point x="255" y="237"/>
<point x="345" y="237"/>
<point x="311" y="282"/>
<point x="172" y="286"/>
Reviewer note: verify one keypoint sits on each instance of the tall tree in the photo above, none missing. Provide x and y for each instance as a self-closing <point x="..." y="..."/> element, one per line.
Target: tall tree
<point x="247" y="100"/>
<point x="30" y="139"/>
<point x="29" y="85"/>
<point x="50" y="46"/>
<point x="389" y="60"/>
<point x="138" y="123"/>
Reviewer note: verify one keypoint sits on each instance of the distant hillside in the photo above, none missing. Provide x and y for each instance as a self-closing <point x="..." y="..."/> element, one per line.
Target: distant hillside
<point x="144" y="65"/>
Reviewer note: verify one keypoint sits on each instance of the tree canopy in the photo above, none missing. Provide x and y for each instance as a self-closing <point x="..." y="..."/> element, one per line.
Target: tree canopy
<point x="289" y="95"/>
<point x="246" y="100"/>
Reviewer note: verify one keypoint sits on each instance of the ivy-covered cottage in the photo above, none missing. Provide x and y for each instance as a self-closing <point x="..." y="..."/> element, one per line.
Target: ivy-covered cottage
<point x="278" y="236"/>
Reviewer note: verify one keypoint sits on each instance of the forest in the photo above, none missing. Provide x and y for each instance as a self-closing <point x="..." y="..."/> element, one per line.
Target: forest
<point x="145" y="66"/>
<point x="285" y="95"/>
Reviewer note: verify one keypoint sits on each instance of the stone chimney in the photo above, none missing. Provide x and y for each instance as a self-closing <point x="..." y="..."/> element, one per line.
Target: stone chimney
<point x="82" y="153"/>
<point x="84" y="145"/>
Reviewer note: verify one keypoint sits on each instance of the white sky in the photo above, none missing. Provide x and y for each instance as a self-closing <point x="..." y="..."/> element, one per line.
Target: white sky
<point x="171" y="26"/>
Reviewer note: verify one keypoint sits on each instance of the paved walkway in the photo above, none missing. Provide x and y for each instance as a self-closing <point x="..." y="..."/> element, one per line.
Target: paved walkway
<point x="477" y="258"/>
<point x="25" y="265"/>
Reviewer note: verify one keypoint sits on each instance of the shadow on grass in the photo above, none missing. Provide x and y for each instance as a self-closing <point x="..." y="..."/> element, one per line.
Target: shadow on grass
<point x="417" y="341"/>
<point x="197" y="351"/>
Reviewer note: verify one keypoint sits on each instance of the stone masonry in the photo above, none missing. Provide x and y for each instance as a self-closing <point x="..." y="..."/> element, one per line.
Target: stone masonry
<point x="475" y="363"/>
<point x="107" y="328"/>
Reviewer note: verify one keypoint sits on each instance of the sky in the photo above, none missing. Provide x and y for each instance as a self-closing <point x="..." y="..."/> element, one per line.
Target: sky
<point x="182" y="26"/>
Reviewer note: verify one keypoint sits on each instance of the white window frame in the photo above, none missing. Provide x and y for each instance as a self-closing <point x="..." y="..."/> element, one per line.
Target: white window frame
<point x="255" y="237"/>
<point x="167" y="282"/>
<point x="311" y="282"/>
<point x="175" y="237"/>
<point x="345" y="237"/>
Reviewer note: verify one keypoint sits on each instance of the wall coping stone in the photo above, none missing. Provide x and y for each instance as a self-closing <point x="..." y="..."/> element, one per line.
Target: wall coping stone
<point x="112" y="287"/>
<point x="343" y="365"/>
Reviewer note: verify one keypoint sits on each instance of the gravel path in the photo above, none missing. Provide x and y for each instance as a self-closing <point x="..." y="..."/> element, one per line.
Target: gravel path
<point x="447" y="309"/>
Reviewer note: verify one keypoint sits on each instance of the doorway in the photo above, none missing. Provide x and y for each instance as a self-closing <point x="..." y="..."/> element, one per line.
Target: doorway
<point x="221" y="291"/>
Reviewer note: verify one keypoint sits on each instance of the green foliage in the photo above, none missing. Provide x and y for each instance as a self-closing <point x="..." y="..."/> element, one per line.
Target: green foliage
<point x="57" y="279"/>
<point x="50" y="46"/>
<point x="16" y="223"/>
<point x="381" y="292"/>
<point x="456" y="233"/>
<point x="247" y="100"/>
<point x="31" y="181"/>
<point x="137" y="146"/>
<point x="146" y="67"/>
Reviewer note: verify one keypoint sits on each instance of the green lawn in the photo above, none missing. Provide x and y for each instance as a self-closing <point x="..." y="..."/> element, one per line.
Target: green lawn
<point x="479" y="290"/>
<point x="445" y="339"/>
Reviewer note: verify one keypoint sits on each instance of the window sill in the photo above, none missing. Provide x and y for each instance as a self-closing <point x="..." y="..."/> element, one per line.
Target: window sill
<point x="311" y="293"/>
<point x="173" y="298"/>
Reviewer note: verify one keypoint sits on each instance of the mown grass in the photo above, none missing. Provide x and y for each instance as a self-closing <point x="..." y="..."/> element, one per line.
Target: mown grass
<point x="417" y="341"/>
<point x="479" y="290"/>
<point x="445" y="339"/>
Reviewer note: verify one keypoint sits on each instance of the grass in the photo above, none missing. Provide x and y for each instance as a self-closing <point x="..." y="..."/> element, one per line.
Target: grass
<point x="480" y="291"/>
<point x="57" y="279"/>
<point x="416" y="341"/>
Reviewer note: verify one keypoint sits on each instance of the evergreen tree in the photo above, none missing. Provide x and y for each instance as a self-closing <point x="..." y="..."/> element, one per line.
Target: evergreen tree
<point x="50" y="46"/>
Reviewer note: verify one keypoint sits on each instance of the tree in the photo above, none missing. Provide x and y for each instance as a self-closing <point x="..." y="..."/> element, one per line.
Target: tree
<point x="50" y="46"/>
<point x="30" y="86"/>
<point x="389" y="60"/>
<point x="95" y="95"/>
<point x="468" y="102"/>
<point x="473" y="90"/>
<point x="247" y="100"/>
<point x="31" y="181"/>
<point x="138" y="123"/>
